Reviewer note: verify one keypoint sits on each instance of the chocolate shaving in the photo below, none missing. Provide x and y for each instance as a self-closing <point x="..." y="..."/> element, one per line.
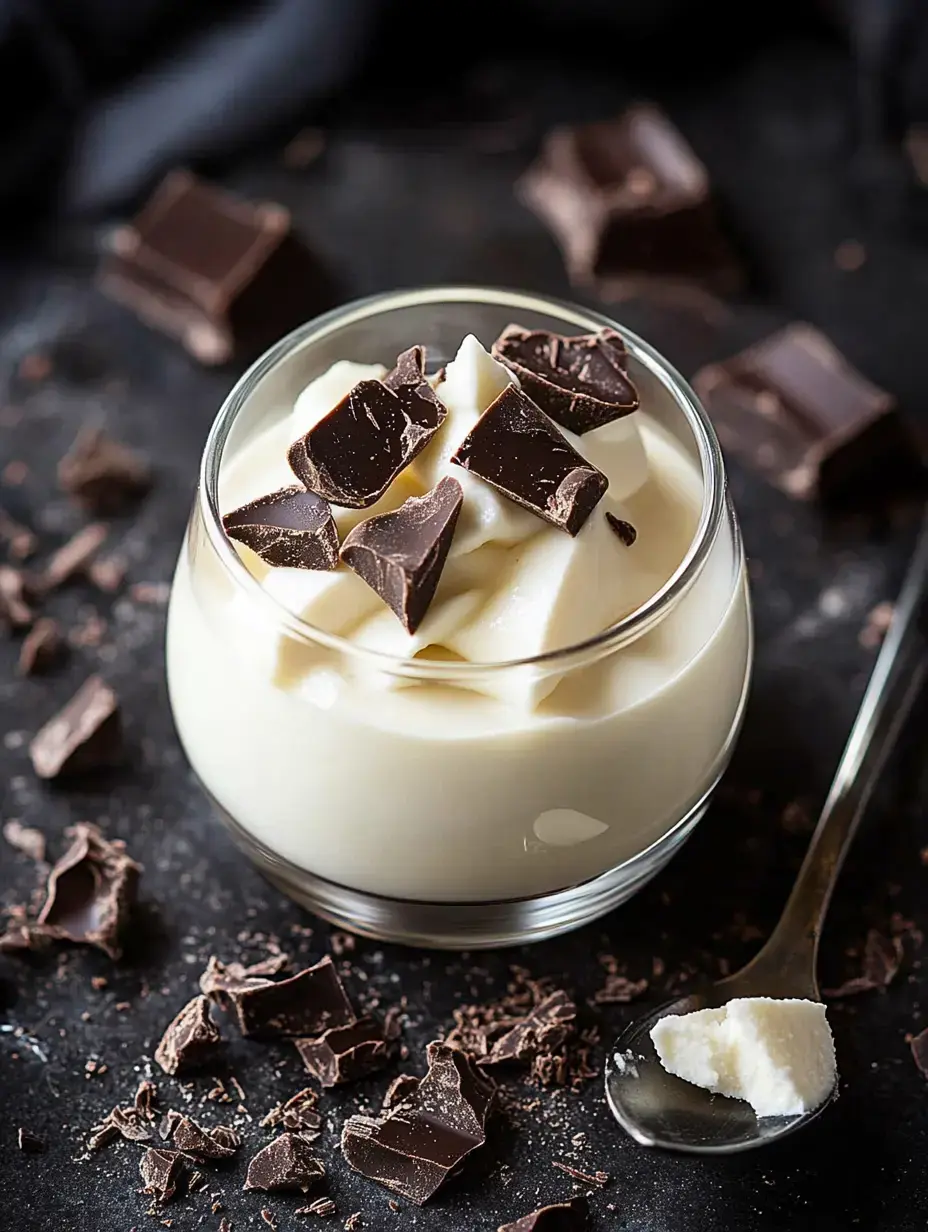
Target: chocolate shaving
<point x="625" y="531"/>
<point x="20" y="541"/>
<point x="291" y="528"/>
<point x="162" y="1171"/>
<point x="323" y="1207"/>
<point x="103" y="476"/>
<point x="285" y="1163"/>
<point x="571" y="1216"/>
<point x="581" y="382"/>
<point x="417" y="1146"/>
<point x="518" y="450"/>
<point x="190" y="1039"/>
<point x="29" y="841"/>
<point x="353" y="454"/>
<point x="41" y="648"/>
<point x="540" y="1032"/>
<point x="90" y="891"/>
<point x="599" y="1179"/>
<point x="15" y="612"/>
<point x="401" y="554"/>
<point x="881" y="961"/>
<point x="85" y="735"/>
<point x="299" y="1112"/>
<point x="220" y="1142"/>
<point x="29" y="1143"/>
<point x="72" y="559"/>
<point x="344" y="1054"/>
<point x="618" y="989"/>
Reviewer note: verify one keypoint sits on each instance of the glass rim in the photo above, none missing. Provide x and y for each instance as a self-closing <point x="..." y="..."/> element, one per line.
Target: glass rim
<point x="590" y="649"/>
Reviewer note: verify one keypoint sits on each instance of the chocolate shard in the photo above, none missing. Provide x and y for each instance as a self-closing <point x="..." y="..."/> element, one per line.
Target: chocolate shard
<point x="581" y="382"/>
<point x="793" y="409"/>
<point x="624" y="530"/>
<point x="103" y="475"/>
<point x="90" y="891"/>
<point x="15" y="611"/>
<point x="882" y="959"/>
<point x="224" y="276"/>
<point x="417" y="1146"/>
<point x="572" y="1216"/>
<point x="21" y="935"/>
<point x="352" y="455"/>
<point x="628" y="201"/>
<point x="190" y="1039"/>
<point x="41" y="647"/>
<point x="306" y="1004"/>
<point x="299" y="1112"/>
<point x="400" y="1091"/>
<point x="291" y="528"/>
<point x="220" y="979"/>
<point x="401" y="554"/>
<point x="131" y="1124"/>
<point x="515" y="447"/>
<point x="218" y="1143"/>
<point x="541" y="1031"/>
<point x="72" y="559"/>
<point x="163" y="1172"/>
<point x="619" y="990"/>
<point x="285" y="1163"/>
<point x="27" y="839"/>
<point x="85" y="735"/>
<point x="344" y="1054"/>
<point x="145" y="1096"/>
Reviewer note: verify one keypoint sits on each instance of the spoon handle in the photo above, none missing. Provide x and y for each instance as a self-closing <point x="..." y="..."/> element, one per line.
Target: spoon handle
<point x="788" y="959"/>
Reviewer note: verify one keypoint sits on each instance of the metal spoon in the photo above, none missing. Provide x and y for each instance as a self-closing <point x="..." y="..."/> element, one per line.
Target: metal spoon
<point x="658" y="1109"/>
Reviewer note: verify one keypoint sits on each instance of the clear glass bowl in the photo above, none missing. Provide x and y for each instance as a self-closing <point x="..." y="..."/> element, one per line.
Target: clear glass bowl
<point x="412" y="800"/>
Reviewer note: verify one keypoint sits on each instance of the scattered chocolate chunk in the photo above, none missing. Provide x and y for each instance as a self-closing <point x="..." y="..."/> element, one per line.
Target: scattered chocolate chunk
<point x="19" y="540"/>
<point x="618" y="988"/>
<point x="517" y="449"/>
<point x="323" y="1207"/>
<point x="344" y="1054"/>
<point x="627" y="199"/>
<point x="599" y="1179"/>
<point x="919" y="1046"/>
<point x="285" y="1163"/>
<point x="291" y="527"/>
<point x="41" y="647"/>
<point x="218" y="1143"/>
<point x="169" y="1123"/>
<point x="85" y="735"/>
<point x="27" y="839"/>
<point x="189" y="1040"/>
<point x="72" y="559"/>
<point x="132" y="1124"/>
<point x="794" y="409"/>
<point x="107" y="574"/>
<point x="145" y="1096"/>
<point x="162" y="1172"/>
<point x="224" y="276"/>
<point x="28" y="1142"/>
<point x="416" y="1147"/>
<point x="342" y="943"/>
<point x="306" y="1004"/>
<point x="581" y="383"/>
<point x="881" y="961"/>
<point x="90" y="891"/>
<point x="408" y="381"/>
<point x="572" y="1216"/>
<point x="400" y="1091"/>
<point x="401" y="554"/>
<point x="299" y="1112"/>
<point x="268" y="1218"/>
<point x="15" y="611"/>
<point x="352" y="455"/>
<point x="353" y="1221"/>
<point x="102" y="474"/>
<point x="625" y="531"/>
<point x="541" y="1031"/>
<point x="21" y="935"/>
<point x="220" y="979"/>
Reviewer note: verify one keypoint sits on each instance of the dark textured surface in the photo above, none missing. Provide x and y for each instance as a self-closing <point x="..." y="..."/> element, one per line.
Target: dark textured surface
<point x="403" y="206"/>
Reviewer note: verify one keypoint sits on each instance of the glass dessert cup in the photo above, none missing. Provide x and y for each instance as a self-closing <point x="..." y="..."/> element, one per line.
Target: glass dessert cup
<point x="425" y="800"/>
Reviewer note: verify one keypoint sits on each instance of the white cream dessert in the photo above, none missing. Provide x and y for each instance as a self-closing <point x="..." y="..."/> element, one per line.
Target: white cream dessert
<point x="778" y="1054"/>
<point x="497" y="783"/>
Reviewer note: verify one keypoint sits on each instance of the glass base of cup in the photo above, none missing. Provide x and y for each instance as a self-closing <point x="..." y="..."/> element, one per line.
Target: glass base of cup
<point x="464" y="925"/>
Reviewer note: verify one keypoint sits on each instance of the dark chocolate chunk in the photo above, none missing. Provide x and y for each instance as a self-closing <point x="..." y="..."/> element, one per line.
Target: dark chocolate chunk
<point x="190" y="1039"/>
<point x="401" y="554"/>
<point x="41" y="647"/>
<point x="292" y="528"/>
<point x="416" y="1147"/>
<point x="131" y="1124"/>
<point x="145" y="1096"/>
<point x="85" y="735"/>
<point x="224" y="276"/>
<point x="344" y="1054"/>
<point x="72" y="559"/>
<point x="90" y="891"/>
<point x="299" y="1112"/>
<point x="218" y="1143"/>
<point x="104" y="476"/>
<point x="625" y="531"/>
<point x="408" y="381"/>
<point x="919" y="1046"/>
<point x="517" y="449"/>
<point x="19" y="540"/>
<point x="29" y="841"/>
<point x="162" y="1171"/>
<point x="627" y="199"/>
<point x="306" y="1004"/>
<point x="285" y="1163"/>
<point x="15" y="611"/>
<point x="220" y="979"/>
<point x="792" y="408"/>
<point x="572" y="1216"/>
<point x="400" y="1091"/>
<point x="352" y="455"/>
<point x="21" y="935"/>
<point x="28" y="1142"/>
<point x="881" y="961"/>
<point x="581" y="382"/>
<point x="542" y="1030"/>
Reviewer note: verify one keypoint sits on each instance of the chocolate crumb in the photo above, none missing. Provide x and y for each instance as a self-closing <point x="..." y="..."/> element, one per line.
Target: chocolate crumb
<point x="29" y="841"/>
<point x="625" y="531"/>
<point x="145" y="1098"/>
<point x="353" y="1221"/>
<point x="162" y="1172"/>
<point x="344" y="1054"/>
<point x="41" y="648"/>
<point x="285" y="1163"/>
<point x="598" y="1179"/>
<point x="29" y="1143"/>
<point x="85" y="735"/>
<point x="103" y="475"/>
<point x="190" y="1039"/>
<point x="15" y="612"/>
<point x="618" y="989"/>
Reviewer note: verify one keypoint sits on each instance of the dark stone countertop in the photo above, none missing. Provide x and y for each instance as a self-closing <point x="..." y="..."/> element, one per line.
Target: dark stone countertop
<point x="392" y="206"/>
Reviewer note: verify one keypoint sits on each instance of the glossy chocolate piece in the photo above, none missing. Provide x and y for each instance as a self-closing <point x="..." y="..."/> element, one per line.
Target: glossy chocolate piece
<point x="624" y="531"/>
<point x="307" y="1003"/>
<point x="285" y="1163"/>
<point x="90" y="891"/>
<point x="541" y="1031"/>
<point x="291" y="528"/>
<point x="163" y="1172"/>
<point x="572" y="1216"/>
<point x="221" y="1142"/>
<point x="190" y="1039"/>
<point x="344" y="1054"/>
